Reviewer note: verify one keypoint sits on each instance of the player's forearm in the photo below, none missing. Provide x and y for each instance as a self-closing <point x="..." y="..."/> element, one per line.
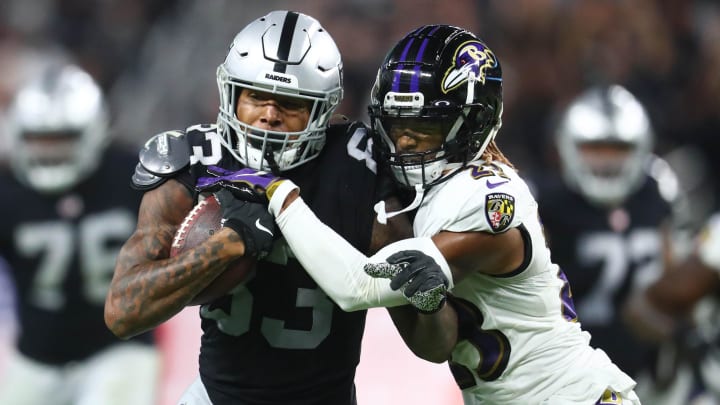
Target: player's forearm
<point x="143" y="294"/>
<point x="338" y="267"/>
<point x="430" y="336"/>
<point x="679" y="290"/>
<point x="333" y="262"/>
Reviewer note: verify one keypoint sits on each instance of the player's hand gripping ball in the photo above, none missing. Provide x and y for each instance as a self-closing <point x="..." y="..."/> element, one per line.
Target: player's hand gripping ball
<point x="202" y="222"/>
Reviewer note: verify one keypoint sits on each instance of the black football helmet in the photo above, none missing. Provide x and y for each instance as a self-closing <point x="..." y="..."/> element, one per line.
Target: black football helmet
<point x="449" y="77"/>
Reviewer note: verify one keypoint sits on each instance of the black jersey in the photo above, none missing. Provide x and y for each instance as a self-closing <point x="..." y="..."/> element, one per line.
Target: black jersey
<point x="61" y="251"/>
<point x="279" y="339"/>
<point x="605" y="254"/>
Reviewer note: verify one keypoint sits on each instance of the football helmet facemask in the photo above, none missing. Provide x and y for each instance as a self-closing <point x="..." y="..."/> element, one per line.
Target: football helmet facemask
<point x="604" y="141"/>
<point x="58" y="129"/>
<point x="289" y="54"/>
<point x="440" y="77"/>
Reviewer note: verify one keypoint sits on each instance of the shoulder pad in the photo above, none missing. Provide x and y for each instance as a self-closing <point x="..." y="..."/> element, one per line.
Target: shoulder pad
<point x="165" y="153"/>
<point x="343" y="125"/>
<point x="144" y="180"/>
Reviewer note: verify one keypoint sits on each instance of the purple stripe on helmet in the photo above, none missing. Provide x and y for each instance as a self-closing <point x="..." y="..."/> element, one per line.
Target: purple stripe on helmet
<point x="396" y="77"/>
<point x="415" y="81"/>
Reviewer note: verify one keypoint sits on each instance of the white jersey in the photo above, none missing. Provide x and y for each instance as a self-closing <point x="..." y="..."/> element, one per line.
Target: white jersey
<point x="521" y="342"/>
<point x="518" y="339"/>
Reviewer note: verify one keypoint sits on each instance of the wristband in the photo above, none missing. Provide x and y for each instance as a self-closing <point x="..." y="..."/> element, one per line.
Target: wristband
<point x="279" y="193"/>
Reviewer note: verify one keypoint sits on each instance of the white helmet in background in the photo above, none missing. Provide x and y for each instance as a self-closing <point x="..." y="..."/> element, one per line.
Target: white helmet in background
<point x="605" y="140"/>
<point x="289" y="54"/>
<point x="57" y="129"/>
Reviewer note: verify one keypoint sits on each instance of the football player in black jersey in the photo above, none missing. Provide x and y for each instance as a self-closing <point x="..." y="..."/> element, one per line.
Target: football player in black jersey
<point x="62" y="228"/>
<point x="276" y="338"/>
<point x="608" y="218"/>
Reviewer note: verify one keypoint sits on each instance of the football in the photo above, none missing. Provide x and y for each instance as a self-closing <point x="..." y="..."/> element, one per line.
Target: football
<point x="200" y="223"/>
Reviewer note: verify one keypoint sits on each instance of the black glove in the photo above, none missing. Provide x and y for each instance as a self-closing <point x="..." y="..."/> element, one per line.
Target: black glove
<point x="250" y="220"/>
<point x="417" y="275"/>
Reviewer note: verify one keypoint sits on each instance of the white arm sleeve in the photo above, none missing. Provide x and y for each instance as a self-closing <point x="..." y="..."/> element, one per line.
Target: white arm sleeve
<point x="337" y="266"/>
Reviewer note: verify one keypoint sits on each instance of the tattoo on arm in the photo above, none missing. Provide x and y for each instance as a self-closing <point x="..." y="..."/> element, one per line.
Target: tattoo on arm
<point x="148" y="286"/>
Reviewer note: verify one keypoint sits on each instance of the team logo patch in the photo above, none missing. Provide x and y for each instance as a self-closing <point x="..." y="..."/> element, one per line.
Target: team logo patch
<point x="472" y="59"/>
<point x="499" y="210"/>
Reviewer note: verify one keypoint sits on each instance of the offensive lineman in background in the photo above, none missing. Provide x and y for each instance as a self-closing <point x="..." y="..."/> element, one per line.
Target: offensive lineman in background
<point x="64" y="226"/>
<point x="608" y="221"/>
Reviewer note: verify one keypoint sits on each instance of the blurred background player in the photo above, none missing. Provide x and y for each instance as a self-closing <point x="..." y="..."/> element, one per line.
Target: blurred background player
<point x="65" y="222"/>
<point x="608" y="218"/>
<point x="684" y="306"/>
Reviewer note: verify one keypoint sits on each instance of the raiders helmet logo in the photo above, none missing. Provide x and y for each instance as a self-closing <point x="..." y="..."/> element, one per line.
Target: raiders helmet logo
<point x="472" y="58"/>
<point x="499" y="211"/>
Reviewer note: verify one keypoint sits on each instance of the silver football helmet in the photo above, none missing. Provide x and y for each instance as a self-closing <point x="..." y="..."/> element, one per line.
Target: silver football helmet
<point x="289" y="54"/>
<point x="57" y="126"/>
<point x="608" y="117"/>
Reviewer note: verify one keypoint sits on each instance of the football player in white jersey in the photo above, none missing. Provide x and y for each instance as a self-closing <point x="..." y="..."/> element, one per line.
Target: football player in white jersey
<point x="487" y="296"/>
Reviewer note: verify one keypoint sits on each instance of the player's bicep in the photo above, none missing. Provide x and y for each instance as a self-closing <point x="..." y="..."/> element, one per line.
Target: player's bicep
<point x="161" y="213"/>
<point x="470" y="252"/>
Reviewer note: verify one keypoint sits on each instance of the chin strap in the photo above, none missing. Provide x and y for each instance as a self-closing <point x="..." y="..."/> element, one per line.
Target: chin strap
<point x="270" y="158"/>
<point x="382" y="215"/>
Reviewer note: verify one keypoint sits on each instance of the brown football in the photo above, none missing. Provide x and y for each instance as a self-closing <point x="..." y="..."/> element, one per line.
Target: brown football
<point x="200" y="223"/>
